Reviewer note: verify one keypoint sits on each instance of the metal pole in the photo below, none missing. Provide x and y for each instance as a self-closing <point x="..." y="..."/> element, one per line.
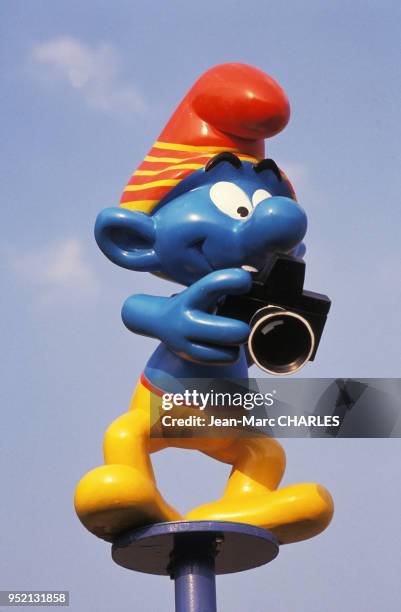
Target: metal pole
<point x="195" y="584"/>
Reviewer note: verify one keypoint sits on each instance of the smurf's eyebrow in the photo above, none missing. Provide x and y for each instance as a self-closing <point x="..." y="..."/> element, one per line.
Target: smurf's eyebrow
<point x="268" y="164"/>
<point x="223" y="157"/>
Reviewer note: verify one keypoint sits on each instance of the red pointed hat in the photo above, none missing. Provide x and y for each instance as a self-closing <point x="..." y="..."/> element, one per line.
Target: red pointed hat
<point x="231" y="107"/>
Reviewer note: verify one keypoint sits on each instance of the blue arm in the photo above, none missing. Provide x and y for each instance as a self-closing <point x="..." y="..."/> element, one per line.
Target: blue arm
<point x="186" y="323"/>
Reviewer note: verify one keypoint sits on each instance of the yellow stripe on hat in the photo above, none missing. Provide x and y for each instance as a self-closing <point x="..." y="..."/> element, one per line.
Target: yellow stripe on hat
<point x="245" y="157"/>
<point x="175" y="167"/>
<point x="152" y="184"/>
<point x="192" y="148"/>
<point x="145" y="206"/>
<point x="152" y="158"/>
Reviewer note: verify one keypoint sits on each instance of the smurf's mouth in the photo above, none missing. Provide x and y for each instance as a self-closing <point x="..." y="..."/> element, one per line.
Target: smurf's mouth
<point x="198" y="247"/>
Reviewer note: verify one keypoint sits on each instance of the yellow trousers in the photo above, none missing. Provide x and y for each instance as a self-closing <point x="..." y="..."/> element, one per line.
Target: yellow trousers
<point x="123" y="493"/>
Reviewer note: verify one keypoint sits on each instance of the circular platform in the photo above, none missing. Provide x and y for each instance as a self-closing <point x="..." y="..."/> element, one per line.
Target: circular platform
<point x="155" y="549"/>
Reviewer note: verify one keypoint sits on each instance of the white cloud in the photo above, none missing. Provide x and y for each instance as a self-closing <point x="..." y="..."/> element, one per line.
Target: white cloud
<point x="57" y="272"/>
<point x="93" y="71"/>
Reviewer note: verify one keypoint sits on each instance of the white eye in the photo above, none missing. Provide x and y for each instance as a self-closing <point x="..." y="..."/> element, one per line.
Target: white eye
<point x="259" y="196"/>
<point x="231" y="200"/>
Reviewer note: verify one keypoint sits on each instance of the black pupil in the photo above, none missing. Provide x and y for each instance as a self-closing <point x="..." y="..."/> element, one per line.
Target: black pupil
<point x="242" y="211"/>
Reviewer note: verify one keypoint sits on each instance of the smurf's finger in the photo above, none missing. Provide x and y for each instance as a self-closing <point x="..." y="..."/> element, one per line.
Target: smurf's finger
<point x="205" y="293"/>
<point x="214" y="329"/>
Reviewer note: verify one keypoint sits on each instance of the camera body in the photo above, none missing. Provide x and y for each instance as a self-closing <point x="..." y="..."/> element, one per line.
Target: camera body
<point x="286" y="321"/>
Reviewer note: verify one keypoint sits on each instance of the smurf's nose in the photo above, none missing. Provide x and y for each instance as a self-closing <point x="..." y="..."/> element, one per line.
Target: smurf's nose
<point x="277" y="224"/>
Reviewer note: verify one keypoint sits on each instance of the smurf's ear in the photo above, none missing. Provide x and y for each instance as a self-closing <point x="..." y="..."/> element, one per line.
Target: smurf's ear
<point x="127" y="238"/>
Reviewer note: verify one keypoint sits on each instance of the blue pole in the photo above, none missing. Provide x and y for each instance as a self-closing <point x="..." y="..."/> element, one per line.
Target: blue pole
<point x="195" y="584"/>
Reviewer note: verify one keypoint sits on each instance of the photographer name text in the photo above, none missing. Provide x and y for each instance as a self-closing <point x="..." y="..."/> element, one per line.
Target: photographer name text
<point x="249" y="420"/>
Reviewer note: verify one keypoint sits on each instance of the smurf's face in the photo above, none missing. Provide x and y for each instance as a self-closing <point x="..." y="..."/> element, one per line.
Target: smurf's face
<point x="229" y="214"/>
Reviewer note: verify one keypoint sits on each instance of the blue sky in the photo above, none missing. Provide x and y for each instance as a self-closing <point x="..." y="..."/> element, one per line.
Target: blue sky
<point x="86" y="88"/>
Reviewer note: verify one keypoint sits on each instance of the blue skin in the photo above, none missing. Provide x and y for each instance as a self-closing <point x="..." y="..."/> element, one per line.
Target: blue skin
<point x="199" y="236"/>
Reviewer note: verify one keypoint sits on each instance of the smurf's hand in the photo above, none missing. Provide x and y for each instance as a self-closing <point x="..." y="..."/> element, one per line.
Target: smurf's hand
<point x="186" y="323"/>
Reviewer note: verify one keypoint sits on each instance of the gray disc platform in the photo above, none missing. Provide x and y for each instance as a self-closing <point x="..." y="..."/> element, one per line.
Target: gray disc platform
<point x="155" y="549"/>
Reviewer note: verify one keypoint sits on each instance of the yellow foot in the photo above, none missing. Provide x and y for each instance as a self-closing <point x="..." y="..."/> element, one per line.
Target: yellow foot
<point x="293" y="513"/>
<point x="113" y="498"/>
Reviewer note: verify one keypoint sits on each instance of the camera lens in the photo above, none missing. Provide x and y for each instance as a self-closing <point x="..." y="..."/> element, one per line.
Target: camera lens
<point x="280" y="342"/>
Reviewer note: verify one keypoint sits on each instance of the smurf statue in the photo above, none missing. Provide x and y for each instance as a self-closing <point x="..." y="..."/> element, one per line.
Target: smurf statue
<point x="205" y="209"/>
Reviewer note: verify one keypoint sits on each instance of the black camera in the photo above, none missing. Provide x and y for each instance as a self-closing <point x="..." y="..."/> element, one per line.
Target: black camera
<point x="286" y="322"/>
